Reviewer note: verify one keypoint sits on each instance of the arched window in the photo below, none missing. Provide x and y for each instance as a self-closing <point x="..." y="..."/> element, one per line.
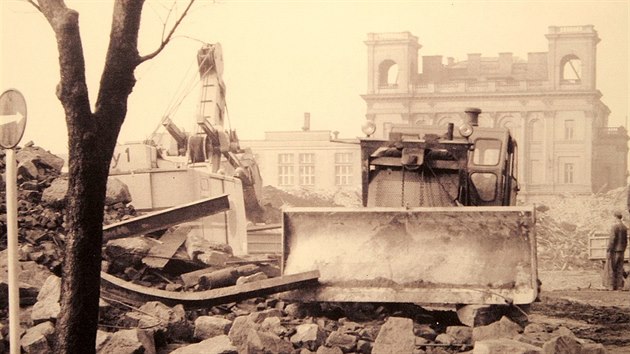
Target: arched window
<point x="571" y="69"/>
<point x="388" y="74"/>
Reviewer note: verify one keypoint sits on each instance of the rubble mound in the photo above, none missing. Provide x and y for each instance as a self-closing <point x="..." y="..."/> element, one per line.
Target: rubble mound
<point x="275" y="199"/>
<point x="565" y="222"/>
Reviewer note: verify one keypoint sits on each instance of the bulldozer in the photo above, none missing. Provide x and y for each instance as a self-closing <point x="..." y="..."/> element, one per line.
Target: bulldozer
<point x="439" y="223"/>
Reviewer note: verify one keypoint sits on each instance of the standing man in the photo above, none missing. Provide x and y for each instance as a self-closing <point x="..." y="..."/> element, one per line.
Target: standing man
<point x="614" y="256"/>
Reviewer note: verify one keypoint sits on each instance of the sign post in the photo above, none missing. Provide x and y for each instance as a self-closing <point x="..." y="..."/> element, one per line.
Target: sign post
<point x="12" y="124"/>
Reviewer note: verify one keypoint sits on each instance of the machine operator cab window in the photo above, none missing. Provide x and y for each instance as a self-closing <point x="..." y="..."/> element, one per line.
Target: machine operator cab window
<point x="492" y="167"/>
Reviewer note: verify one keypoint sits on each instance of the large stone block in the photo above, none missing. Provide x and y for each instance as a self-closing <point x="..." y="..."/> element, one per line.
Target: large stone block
<point x="129" y="341"/>
<point x="346" y="342"/>
<point x="503" y="328"/>
<point x="565" y="344"/>
<point x="36" y="339"/>
<point x="308" y="335"/>
<point x="259" y="342"/>
<point x="211" y="326"/>
<point x="396" y="336"/>
<point x="47" y="306"/>
<point x="117" y="192"/>
<point x="460" y="334"/>
<point x="170" y="322"/>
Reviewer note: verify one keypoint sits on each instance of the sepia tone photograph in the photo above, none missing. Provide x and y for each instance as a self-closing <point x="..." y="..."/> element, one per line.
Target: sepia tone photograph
<point x="421" y="177"/>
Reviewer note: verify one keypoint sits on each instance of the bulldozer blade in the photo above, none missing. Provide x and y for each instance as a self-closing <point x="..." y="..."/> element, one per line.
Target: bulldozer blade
<point x="451" y="255"/>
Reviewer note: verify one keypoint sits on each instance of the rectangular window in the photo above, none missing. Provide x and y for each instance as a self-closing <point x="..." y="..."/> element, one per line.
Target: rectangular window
<point x="569" y="129"/>
<point x="569" y="172"/>
<point x="343" y="168"/>
<point x="285" y="169"/>
<point x="307" y="169"/>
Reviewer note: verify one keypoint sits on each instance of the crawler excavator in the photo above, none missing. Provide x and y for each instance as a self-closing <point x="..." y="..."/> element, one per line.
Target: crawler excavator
<point x="438" y="224"/>
<point x="165" y="171"/>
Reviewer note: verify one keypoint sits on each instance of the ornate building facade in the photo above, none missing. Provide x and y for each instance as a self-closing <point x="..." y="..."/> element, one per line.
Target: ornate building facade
<point x="549" y="101"/>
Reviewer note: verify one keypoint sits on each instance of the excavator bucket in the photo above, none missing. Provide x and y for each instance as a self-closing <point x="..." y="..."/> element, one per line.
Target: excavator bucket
<point x="450" y="255"/>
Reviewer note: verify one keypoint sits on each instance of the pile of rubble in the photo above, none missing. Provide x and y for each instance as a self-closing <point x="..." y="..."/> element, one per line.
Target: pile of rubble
<point x="41" y="199"/>
<point x="565" y="222"/>
<point x="271" y="325"/>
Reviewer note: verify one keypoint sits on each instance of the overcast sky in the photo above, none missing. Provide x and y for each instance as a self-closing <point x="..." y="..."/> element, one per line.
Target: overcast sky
<point x="284" y="58"/>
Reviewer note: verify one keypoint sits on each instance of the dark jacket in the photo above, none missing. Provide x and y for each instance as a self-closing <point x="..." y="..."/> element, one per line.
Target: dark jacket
<point x="619" y="238"/>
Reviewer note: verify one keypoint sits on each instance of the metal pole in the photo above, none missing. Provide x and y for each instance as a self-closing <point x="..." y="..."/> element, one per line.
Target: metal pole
<point x="12" y="249"/>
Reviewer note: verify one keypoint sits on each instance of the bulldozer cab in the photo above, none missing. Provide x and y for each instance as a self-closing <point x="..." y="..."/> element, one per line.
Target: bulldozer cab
<point x="427" y="166"/>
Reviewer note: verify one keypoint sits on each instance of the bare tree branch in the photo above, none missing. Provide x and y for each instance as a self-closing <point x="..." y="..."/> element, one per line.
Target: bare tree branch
<point x="168" y="37"/>
<point x="34" y="4"/>
<point x="168" y="15"/>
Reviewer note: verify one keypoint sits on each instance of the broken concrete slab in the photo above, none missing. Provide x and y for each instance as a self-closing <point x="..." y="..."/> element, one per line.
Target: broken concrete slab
<point x="211" y="326"/>
<point x="396" y="336"/>
<point x="159" y="255"/>
<point x="213" y="258"/>
<point x="55" y="194"/>
<point x="479" y="315"/>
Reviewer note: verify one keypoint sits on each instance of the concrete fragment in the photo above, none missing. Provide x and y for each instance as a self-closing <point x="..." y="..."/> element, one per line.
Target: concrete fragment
<point x="55" y="194"/>
<point x="239" y="330"/>
<point x="129" y="341"/>
<point x="260" y="316"/>
<point x="101" y="338"/>
<point x="117" y="192"/>
<point x="129" y="251"/>
<point x="40" y="157"/>
<point x="213" y="258"/>
<point x="346" y="342"/>
<point x="168" y="321"/>
<point x="36" y="339"/>
<point x="211" y="326"/>
<point x="504" y="346"/>
<point x="259" y="342"/>
<point x="396" y="336"/>
<point x="216" y="345"/>
<point x="564" y="344"/>
<point x="503" y="328"/>
<point x="251" y="278"/>
<point x="32" y="277"/>
<point x="47" y="306"/>
<point x="460" y="334"/>
<point x="308" y="335"/>
<point x="196" y="244"/>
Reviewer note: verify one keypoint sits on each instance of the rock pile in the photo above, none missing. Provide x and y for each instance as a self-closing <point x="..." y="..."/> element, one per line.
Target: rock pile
<point x="565" y="222"/>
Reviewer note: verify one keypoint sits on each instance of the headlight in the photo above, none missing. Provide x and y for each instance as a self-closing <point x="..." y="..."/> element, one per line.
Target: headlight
<point x="465" y="130"/>
<point x="368" y="128"/>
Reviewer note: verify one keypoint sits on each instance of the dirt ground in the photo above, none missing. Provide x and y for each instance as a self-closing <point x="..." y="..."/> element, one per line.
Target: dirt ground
<point x="576" y="300"/>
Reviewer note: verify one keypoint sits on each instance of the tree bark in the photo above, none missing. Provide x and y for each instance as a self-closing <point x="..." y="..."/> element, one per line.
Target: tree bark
<point x="92" y="138"/>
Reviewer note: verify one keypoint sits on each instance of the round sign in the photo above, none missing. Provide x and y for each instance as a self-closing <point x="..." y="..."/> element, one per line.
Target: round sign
<point x="12" y="118"/>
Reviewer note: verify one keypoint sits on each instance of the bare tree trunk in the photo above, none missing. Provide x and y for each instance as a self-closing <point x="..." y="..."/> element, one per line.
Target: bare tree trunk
<point x="92" y="138"/>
